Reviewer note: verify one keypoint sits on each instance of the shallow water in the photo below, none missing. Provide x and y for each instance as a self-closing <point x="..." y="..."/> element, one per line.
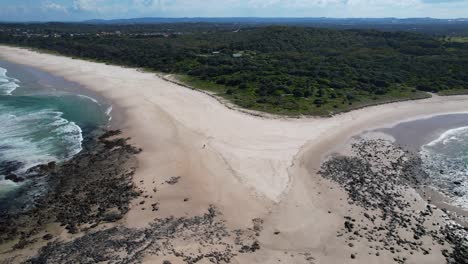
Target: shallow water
<point x="41" y="121"/>
<point x="446" y="162"/>
<point x="442" y="142"/>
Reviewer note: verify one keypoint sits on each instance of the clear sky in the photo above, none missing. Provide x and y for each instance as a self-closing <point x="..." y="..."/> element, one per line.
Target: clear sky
<point x="75" y="10"/>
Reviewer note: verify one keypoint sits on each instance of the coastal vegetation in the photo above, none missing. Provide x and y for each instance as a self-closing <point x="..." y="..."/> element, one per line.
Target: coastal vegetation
<point x="278" y="69"/>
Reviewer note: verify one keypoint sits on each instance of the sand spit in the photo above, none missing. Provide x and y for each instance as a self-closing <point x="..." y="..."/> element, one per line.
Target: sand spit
<point x="246" y="166"/>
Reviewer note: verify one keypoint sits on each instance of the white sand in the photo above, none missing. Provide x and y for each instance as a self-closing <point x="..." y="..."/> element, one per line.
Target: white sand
<point x="248" y="166"/>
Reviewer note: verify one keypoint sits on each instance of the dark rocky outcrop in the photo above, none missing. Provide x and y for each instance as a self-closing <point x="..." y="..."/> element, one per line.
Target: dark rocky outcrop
<point x="376" y="177"/>
<point x="94" y="186"/>
<point x="14" y="178"/>
<point x="125" y="245"/>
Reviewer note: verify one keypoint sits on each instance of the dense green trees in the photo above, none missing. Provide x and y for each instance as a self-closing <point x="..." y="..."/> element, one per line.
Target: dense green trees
<point x="283" y="69"/>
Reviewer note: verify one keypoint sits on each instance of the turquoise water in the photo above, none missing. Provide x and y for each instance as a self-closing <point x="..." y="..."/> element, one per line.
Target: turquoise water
<point x="446" y="161"/>
<point x="41" y="123"/>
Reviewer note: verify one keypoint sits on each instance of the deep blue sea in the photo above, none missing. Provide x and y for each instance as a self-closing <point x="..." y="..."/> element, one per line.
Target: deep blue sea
<point x="41" y="120"/>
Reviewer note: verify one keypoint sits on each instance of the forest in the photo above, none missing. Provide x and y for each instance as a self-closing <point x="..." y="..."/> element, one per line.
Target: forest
<point x="278" y="69"/>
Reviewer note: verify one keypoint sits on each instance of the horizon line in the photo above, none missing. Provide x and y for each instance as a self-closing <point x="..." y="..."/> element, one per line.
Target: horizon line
<point x="225" y="17"/>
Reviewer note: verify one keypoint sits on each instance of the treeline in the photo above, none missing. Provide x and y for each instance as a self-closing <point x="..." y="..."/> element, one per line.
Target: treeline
<point x="283" y="69"/>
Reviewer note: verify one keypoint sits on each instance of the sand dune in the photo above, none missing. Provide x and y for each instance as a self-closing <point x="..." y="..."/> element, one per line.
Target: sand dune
<point x="248" y="166"/>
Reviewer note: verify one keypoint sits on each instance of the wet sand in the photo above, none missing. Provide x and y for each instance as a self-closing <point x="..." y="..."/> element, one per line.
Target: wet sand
<point x="413" y="135"/>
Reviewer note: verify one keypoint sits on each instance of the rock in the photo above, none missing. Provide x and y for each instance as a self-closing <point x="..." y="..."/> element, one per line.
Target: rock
<point x="353" y="256"/>
<point x="173" y="180"/>
<point x="21" y="244"/>
<point x="109" y="134"/>
<point x="375" y="178"/>
<point x="51" y="165"/>
<point x="213" y="242"/>
<point x="349" y="226"/>
<point x="249" y="249"/>
<point x="47" y="237"/>
<point x="92" y="187"/>
<point x="14" y="178"/>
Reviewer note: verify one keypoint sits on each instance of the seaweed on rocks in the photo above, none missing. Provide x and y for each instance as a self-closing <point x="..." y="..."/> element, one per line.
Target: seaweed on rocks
<point x="377" y="177"/>
<point x="94" y="186"/>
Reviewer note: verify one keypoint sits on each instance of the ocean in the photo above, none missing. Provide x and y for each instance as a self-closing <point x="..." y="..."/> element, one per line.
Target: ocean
<point x="445" y="160"/>
<point x="42" y="118"/>
<point x="442" y="143"/>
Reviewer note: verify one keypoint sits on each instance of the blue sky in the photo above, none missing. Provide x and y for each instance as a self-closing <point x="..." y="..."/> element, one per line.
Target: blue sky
<point x="76" y="10"/>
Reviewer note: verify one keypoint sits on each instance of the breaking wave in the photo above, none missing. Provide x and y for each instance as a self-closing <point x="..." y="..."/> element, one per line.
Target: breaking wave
<point x="446" y="162"/>
<point x="7" y="84"/>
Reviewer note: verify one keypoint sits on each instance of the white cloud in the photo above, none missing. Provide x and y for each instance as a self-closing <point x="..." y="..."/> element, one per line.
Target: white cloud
<point x="51" y="6"/>
<point x="380" y="3"/>
<point x="217" y="8"/>
<point x="324" y="3"/>
<point x="102" y="7"/>
<point x="88" y="5"/>
<point x="294" y="3"/>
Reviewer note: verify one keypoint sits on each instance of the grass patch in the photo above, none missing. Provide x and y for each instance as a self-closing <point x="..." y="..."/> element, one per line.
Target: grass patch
<point x="457" y="39"/>
<point x="289" y="105"/>
<point x="453" y="92"/>
<point x="201" y="84"/>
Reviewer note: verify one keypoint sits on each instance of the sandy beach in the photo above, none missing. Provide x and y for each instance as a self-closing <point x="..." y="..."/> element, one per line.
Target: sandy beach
<point x="249" y="167"/>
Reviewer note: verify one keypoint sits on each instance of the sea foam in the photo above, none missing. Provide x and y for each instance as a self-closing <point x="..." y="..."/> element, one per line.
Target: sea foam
<point x="37" y="137"/>
<point x="446" y="162"/>
<point x="8" y="84"/>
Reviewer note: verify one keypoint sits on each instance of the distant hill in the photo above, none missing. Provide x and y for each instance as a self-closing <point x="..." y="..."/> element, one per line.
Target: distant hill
<point x="431" y="26"/>
<point x="279" y="20"/>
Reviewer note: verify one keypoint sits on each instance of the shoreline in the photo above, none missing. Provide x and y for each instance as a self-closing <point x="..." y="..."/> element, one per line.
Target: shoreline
<point x="37" y="85"/>
<point x="413" y="136"/>
<point x="248" y="167"/>
<point x="90" y="191"/>
<point x="47" y="79"/>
